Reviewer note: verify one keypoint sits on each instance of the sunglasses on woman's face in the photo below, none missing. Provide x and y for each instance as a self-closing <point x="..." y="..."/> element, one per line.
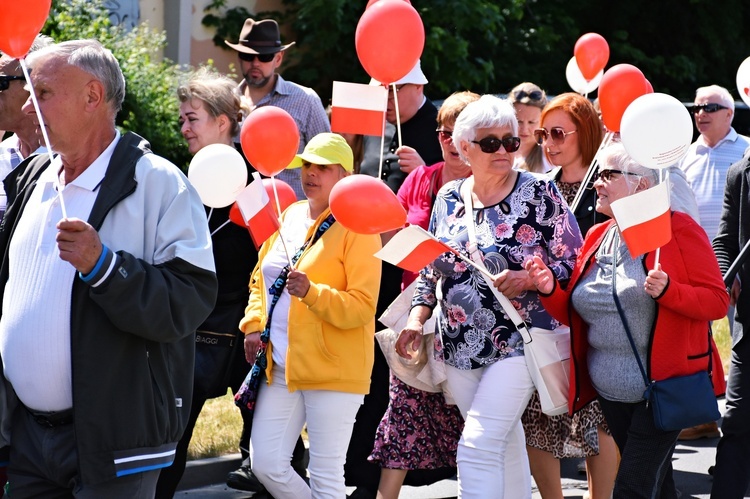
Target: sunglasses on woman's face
<point x="556" y="133"/>
<point x="522" y="94"/>
<point x="707" y="108"/>
<point x="444" y="135"/>
<point x="261" y="57"/>
<point x="490" y="145"/>
<point x="6" y="79"/>
<point x="606" y="175"/>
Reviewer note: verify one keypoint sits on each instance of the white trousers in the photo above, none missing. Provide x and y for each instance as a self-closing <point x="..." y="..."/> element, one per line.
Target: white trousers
<point x="492" y="459"/>
<point x="277" y="422"/>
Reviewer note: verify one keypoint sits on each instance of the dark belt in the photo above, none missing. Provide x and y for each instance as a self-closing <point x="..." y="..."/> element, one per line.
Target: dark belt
<point x="52" y="419"/>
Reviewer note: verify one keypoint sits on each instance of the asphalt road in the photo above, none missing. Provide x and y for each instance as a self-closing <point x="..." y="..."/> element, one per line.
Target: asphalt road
<point x="691" y="462"/>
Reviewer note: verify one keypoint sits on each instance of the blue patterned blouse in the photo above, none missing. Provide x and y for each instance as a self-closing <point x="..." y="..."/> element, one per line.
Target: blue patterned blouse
<point x="533" y="219"/>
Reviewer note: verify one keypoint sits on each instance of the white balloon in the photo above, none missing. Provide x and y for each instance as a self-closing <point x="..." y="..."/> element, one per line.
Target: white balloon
<point x="743" y="80"/>
<point x="656" y="130"/>
<point x="218" y="173"/>
<point x="576" y="80"/>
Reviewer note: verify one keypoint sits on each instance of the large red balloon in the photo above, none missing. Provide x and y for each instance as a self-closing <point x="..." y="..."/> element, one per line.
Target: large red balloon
<point x="287" y="195"/>
<point x="235" y="215"/>
<point x="621" y="85"/>
<point x="370" y="2"/>
<point x="389" y="39"/>
<point x="592" y="53"/>
<point x="269" y="139"/>
<point x="354" y="198"/>
<point x="20" y="22"/>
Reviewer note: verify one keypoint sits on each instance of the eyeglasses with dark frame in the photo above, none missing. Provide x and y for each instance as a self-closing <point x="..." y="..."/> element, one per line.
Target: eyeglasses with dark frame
<point x="444" y="135"/>
<point x="606" y="175"/>
<point x="557" y="133"/>
<point x="398" y="89"/>
<point x="535" y="95"/>
<point x="711" y="107"/>
<point x="491" y="145"/>
<point x="261" y="57"/>
<point x="6" y="79"/>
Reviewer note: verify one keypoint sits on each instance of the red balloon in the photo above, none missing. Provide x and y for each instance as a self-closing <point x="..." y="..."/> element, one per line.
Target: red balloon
<point x="235" y="215"/>
<point x="20" y="22"/>
<point x="270" y="139"/>
<point x="649" y="87"/>
<point x="621" y="85"/>
<point x="353" y="198"/>
<point x="592" y="53"/>
<point x="373" y="1"/>
<point x="287" y="195"/>
<point x="389" y="39"/>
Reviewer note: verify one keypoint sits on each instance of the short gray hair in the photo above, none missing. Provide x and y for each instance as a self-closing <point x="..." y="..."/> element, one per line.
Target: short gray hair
<point x="93" y="58"/>
<point x="724" y="95"/>
<point x="615" y="157"/>
<point x="487" y="112"/>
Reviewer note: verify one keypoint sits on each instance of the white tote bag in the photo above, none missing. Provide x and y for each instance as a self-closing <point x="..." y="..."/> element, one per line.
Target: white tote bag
<point x="547" y="352"/>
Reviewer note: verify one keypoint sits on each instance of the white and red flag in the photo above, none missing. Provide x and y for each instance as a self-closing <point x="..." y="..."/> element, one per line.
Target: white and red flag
<point x="257" y="211"/>
<point x="412" y="249"/>
<point x="358" y="108"/>
<point x="644" y="219"/>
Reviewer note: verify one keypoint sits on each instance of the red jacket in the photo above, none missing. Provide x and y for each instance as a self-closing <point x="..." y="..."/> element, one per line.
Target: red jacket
<point x="678" y="343"/>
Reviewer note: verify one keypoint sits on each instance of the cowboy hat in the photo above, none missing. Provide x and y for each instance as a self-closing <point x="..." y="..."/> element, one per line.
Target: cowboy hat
<point x="259" y="37"/>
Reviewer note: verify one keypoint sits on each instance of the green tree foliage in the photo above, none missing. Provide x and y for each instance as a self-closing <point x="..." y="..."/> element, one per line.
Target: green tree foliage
<point x="150" y="108"/>
<point x="492" y="45"/>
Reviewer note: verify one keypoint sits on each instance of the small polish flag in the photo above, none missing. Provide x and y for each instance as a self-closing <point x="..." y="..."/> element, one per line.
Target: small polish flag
<point x="412" y="249"/>
<point x="358" y="108"/>
<point x="257" y="211"/>
<point x="644" y="219"/>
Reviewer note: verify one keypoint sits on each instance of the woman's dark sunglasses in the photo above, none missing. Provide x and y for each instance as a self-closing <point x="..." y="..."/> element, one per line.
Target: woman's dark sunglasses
<point x="606" y="175"/>
<point x="522" y="94"/>
<point x="261" y="57"/>
<point x="492" y="144"/>
<point x="708" y="108"/>
<point x="558" y="135"/>
<point x="5" y="81"/>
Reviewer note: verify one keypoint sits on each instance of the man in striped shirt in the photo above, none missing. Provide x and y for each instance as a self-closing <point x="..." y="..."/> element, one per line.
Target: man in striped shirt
<point x="711" y="155"/>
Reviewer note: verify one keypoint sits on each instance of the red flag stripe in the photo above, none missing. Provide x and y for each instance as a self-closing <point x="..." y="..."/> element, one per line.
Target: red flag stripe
<point x="423" y="254"/>
<point x="649" y="235"/>
<point x="359" y="121"/>
<point x="262" y="225"/>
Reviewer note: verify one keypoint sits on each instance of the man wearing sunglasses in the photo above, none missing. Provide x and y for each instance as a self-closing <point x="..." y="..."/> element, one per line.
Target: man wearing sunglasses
<point x="260" y="54"/>
<point x="718" y="146"/>
<point x="25" y="139"/>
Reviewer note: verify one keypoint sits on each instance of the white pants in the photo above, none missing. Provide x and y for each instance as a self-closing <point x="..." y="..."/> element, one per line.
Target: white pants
<point x="492" y="459"/>
<point x="277" y="422"/>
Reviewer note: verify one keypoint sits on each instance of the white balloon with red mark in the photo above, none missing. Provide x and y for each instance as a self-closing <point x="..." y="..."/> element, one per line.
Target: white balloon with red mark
<point x="576" y="80"/>
<point x="656" y="130"/>
<point x="743" y="80"/>
<point x="218" y="173"/>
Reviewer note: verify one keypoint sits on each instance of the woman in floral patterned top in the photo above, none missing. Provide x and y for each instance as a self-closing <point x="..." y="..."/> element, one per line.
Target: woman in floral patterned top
<point x="516" y="215"/>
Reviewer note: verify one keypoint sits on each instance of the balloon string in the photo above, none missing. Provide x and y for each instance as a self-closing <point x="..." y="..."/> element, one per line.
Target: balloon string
<point x="43" y="128"/>
<point x="662" y="178"/>
<point x="591" y="171"/>
<point x="220" y="227"/>
<point x="278" y="217"/>
<point x="398" y="118"/>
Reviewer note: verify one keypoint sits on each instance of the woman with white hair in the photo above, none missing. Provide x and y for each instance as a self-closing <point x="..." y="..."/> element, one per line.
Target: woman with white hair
<point x="514" y="214"/>
<point x="665" y="306"/>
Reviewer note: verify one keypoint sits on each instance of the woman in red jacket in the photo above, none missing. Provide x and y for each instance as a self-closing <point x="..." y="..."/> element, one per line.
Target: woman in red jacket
<point x="667" y="307"/>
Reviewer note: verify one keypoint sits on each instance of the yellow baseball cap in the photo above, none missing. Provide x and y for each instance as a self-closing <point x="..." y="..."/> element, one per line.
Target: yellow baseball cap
<point x="326" y="149"/>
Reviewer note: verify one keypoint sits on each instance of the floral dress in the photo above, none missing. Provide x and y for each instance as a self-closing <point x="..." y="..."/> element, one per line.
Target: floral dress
<point x="532" y="220"/>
